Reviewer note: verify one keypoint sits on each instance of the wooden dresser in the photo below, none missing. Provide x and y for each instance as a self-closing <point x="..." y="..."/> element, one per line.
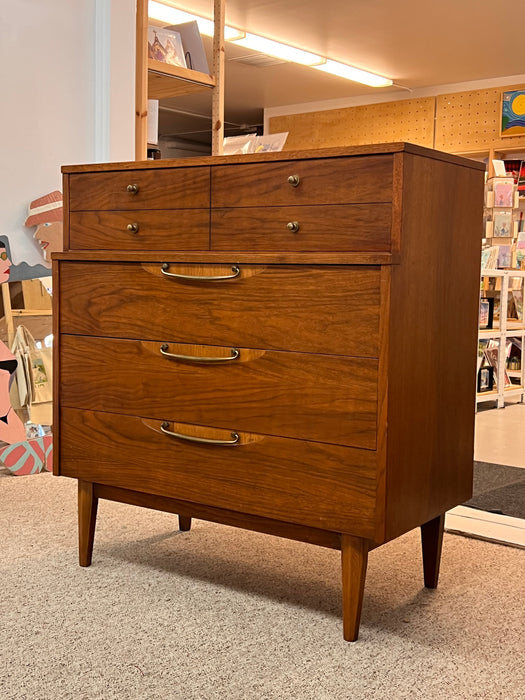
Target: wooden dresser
<point x="282" y="342"/>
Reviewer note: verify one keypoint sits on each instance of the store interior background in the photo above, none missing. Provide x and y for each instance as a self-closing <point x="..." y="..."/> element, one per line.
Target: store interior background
<point x="70" y="93"/>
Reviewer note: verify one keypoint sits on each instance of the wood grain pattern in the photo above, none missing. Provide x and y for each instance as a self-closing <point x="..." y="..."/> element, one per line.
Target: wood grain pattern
<point x="332" y="309"/>
<point x="257" y="523"/>
<point x="311" y="397"/>
<point x="310" y="153"/>
<point x="330" y="181"/>
<point x="432" y="344"/>
<point x="354" y="227"/>
<point x="161" y="229"/>
<point x="354" y="560"/>
<point x="156" y="190"/>
<point x="296" y="481"/>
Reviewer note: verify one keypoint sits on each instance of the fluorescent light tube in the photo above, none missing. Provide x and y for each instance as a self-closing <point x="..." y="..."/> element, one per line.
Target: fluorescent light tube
<point x="170" y="15"/>
<point x="278" y="50"/>
<point x="355" y="74"/>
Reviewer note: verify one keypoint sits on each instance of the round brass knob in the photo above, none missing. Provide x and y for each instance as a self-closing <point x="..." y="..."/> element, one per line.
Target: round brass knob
<point x="132" y="189"/>
<point x="294" y="180"/>
<point x="133" y="228"/>
<point x="293" y="226"/>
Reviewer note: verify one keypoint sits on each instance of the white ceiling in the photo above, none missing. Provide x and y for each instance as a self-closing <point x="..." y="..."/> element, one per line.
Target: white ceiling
<point x="416" y="43"/>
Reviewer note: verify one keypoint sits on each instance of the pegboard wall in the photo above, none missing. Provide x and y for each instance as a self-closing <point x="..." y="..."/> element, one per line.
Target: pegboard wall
<point x="460" y="122"/>
<point x="470" y="121"/>
<point x="404" y="120"/>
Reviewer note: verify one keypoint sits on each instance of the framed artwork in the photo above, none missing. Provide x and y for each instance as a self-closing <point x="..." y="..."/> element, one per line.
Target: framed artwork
<point x="513" y="113"/>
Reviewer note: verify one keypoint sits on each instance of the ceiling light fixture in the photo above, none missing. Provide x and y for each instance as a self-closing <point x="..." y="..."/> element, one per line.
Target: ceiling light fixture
<point x="169" y="14"/>
<point x="356" y="74"/>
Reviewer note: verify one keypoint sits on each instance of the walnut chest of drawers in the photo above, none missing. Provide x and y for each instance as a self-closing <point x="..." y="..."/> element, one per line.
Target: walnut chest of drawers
<point x="282" y="342"/>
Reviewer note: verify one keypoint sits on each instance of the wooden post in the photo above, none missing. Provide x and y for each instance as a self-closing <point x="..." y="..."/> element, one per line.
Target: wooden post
<point x="141" y="82"/>
<point x="217" y="109"/>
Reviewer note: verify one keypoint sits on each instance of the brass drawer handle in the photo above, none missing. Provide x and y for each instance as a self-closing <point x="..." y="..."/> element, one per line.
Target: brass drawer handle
<point x="190" y="358"/>
<point x="293" y="226"/>
<point x="132" y="189"/>
<point x="208" y="441"/>
<point x="294" y="180"/>
<point x="133" y="228"/>
<point x="200" y="278"/>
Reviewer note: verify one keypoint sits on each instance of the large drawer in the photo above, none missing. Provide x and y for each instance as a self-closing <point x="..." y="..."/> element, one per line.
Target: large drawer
<point x="150" y="189"/>
<point x="312" y="397"/>
<point x="310" y="483"/>
<point x="304" y="308"/>
<point x="327" y="181"/>
<point x="341" y="227"/>
<point x="150" y="229"/>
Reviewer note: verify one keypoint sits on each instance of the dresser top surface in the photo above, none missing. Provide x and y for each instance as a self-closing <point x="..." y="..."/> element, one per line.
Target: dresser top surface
<point x="339" y="152"/>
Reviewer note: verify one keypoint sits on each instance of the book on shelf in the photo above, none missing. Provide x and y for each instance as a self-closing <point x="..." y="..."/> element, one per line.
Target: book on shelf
<point x="502" y="224"/>
<point x="165" y="45"/>
<point x="489" y="258"/>
<point x="503" y="193"/>
<point x="521" y="180"/>
<point x="512" y="168"/>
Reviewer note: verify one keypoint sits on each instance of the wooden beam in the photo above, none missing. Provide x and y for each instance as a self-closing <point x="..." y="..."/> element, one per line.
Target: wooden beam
<point x="141" y="81"/>
<point x="217" y="111"/>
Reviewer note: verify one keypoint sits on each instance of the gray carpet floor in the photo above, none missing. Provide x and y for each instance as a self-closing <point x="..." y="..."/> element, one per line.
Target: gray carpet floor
<point x="499" y="489"/>
<point x="218" y="613"/>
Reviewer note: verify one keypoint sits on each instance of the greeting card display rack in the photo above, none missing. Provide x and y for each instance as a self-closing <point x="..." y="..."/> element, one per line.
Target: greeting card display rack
<point x="500" y="348"/>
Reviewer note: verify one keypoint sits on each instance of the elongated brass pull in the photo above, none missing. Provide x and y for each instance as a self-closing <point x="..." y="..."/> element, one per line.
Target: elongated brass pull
<point x="200" y="278"/>
<point x="208" y="441"/>
<point x="132" y="189"/>
<point x="294" y="180"/>
<point x="293" y="226"/>
<point x="195" y="358"/>
<point x="133" y="228"/>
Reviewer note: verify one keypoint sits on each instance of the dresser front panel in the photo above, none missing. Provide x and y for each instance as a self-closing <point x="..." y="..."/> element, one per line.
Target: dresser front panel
<point x="312" y="397"/>
<point x="152" y="229"/>
<point x="327" y="181"/>
<point x="310" y="483"/>
<point x="320" y="309"/>
<point x="340" y="227"/>
<point x="156" y="189"/>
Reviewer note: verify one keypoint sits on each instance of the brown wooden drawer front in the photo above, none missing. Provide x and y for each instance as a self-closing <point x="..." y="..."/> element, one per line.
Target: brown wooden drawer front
<point x="311" y="397"/>
<point x="330" y="309"/>
<point x="328" y="181"/>
<point x="157" y="189"/>
<point x="350" y="227"/>
<point x="162" y="229"/>
<point x="310" y="483"/>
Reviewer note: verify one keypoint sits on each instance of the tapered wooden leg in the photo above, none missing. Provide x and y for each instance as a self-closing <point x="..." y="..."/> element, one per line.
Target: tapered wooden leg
<point x="354" y="559"/>
<point x="431" y="542"/>
<point x="87" y="517"/>
<point x="184" y="522"/>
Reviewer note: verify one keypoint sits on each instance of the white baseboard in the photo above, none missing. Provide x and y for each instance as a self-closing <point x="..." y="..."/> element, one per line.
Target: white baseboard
<point x="486" y="526"/>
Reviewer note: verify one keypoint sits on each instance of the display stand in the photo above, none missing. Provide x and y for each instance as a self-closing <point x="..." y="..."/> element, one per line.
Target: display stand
<point x="507" y="328"/>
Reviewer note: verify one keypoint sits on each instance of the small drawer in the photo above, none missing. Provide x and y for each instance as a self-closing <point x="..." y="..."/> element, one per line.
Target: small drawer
<point x="178" y="188"/>
<point x="339" y="227"/>
<point x="303" y="308"/>
<point x="140" y="229"/>
<point x="308" y="483"/>
<point x="328" y="181"/>
<point x="325" y="398"/>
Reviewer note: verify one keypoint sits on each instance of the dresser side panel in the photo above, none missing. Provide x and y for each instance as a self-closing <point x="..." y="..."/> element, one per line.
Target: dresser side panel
<point x="432" y="343"/>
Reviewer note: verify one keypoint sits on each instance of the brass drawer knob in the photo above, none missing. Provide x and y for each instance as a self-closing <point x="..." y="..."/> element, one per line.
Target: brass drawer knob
<point x="294" y="180"/>
<point x="132" y="189"/>
<point x="133" y="228"/>
<point x="293" y="226"/>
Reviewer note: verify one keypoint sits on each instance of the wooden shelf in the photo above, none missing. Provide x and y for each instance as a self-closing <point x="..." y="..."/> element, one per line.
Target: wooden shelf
<point x="165" y="80"/>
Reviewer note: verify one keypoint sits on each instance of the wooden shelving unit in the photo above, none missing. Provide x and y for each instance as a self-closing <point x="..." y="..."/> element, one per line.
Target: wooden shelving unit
<point x="157" y="80"/>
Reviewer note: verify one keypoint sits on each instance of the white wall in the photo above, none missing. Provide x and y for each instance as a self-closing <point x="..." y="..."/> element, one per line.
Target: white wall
<point x="53" y="82"/>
